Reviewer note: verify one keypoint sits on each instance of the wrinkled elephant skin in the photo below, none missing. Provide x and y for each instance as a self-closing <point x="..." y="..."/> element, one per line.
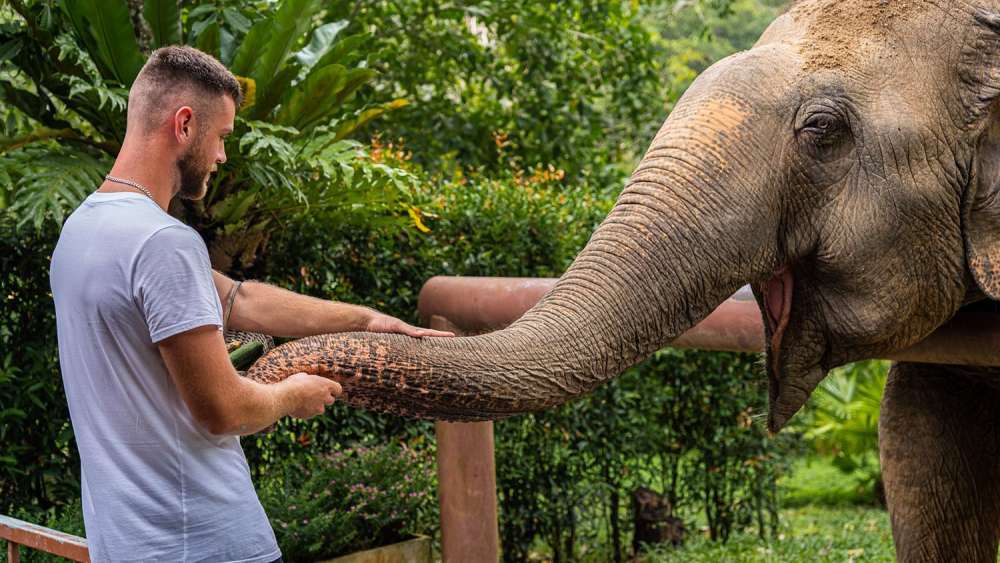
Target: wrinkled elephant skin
<point x="848" y="168"/>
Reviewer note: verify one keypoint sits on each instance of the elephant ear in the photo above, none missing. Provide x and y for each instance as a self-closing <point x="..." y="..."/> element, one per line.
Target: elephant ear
<point x="981" y="94"/>
<point x="982" y="216"/>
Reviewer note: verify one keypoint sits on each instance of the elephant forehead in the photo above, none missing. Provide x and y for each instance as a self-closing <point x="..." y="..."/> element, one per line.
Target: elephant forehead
<point x="839" y="32"/>
<point x="710" y="124"/>
<point x="710" y="118"/>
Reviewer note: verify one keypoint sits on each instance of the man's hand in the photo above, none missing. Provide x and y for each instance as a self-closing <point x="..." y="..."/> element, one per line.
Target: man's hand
<point x="380" y="322"/>
<point x="270" y="310"/>
<point x="313" y="394"/>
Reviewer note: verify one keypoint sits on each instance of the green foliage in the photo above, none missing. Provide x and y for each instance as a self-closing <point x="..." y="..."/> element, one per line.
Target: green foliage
<point x="270" y="42"/>
<point x="841" y="419"/>
<point x="691" y="36"/>
<point x="67" y="518"/>
<point x="164" y="19"/>
<point x="321" y="507"/>
<point x="810" y="534"/>
<point x="106" y="30"/>
<point x="44" y="181"/>
<point x="66" y="74"/>
<point x="39" y="466"/>
<point x="477" y="226"/>
<point x="814" y="479"/>
<point x="682" y="423"/>
<point x="565" y="84"/>
<point x="351" y="500"/>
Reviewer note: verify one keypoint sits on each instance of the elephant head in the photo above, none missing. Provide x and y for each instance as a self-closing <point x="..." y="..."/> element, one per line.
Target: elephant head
<point x="847" y="167"/>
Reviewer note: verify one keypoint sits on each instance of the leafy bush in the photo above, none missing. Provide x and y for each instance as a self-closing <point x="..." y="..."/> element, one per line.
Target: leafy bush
<point x="67" y="518"/>
<point x="840" y="421"/>
<point x="39" y="465"/>
<point x="351" y="500"/>
<point x="476" y="226"/>
<point x="335" y="503"/>
<point x="683" y="422"/>
<point x="567" y="84"/>
<point x="65" y="70"/>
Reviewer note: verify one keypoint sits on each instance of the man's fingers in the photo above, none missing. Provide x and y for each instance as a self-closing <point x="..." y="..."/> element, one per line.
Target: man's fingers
<point x="410" y="330"/>
<point x="438" y="333"/>
<point x="421" y="332"/>
<point x="336" y="389"/>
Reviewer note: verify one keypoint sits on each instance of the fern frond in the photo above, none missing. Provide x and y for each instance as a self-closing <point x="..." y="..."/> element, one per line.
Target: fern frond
<point x="46" y="182"/>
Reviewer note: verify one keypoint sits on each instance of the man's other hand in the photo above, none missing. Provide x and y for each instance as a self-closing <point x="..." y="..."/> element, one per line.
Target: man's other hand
<point x="312" y="394"/>
<point x="380" y="322"/>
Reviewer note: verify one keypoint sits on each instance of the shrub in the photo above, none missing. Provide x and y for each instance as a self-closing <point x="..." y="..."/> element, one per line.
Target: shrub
<point x="334" y="504"/>
<point x="840" y="422"/>
<point x="477" y="227"/>
<point x="351" y="500"/>
<point x="682" y="422"/>
<point x="563" y="83"/>
<point x="65" y="71"/>
<point x="67" y="518"/>
<point x="39" y="465"/>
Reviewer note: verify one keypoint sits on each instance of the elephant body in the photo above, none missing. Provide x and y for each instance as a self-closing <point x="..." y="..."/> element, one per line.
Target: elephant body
<point x="847" y="167"/>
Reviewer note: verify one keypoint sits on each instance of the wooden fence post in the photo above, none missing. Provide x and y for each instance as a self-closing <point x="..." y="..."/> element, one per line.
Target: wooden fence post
<point x="467" y="489"/>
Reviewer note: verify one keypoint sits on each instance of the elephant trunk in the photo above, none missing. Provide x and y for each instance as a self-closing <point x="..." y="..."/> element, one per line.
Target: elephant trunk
<point x="687" y="232"/>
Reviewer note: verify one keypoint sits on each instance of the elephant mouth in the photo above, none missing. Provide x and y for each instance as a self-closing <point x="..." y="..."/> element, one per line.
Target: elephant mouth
<point x="777" y="294"/>
<point x="788" y="386"/>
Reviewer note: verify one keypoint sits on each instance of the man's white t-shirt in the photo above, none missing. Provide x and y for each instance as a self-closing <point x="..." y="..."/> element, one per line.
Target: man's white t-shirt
<point x="156" y="485"/>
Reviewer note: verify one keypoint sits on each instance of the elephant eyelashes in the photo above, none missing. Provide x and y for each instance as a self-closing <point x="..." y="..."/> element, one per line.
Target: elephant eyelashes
<point x="823" y="136"/>
<point x="819" y="124"/>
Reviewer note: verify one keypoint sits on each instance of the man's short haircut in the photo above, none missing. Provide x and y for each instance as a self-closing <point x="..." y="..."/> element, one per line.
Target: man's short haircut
<point x="176" y="68"/>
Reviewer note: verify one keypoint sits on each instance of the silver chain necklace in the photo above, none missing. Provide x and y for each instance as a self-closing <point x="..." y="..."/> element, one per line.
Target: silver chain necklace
<point x="131" y="183"/>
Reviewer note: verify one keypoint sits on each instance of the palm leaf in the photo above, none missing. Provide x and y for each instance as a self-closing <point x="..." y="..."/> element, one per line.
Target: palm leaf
<point x="320" y="96"/>
<point x="106" y="29"/>
<point x="322" y="41"/>
<point x="265" y="102"/>
<point x="208" y="38"/>
<point x="270" y="42"/>
<point x="344" y="52"/>
<point x="50" y="181"/>
<point x="164" y="19"/>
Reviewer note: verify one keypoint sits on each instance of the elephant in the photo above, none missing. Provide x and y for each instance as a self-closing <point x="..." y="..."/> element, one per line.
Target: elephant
<point x="847" y="167"/>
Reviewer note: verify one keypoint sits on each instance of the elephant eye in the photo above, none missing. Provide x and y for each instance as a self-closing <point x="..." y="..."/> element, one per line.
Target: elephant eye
<point x="820" y="124"/>
<point x="824" y="135"/>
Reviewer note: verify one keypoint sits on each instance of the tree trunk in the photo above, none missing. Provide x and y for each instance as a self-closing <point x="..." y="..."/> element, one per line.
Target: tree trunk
<point x="143" y="35"/>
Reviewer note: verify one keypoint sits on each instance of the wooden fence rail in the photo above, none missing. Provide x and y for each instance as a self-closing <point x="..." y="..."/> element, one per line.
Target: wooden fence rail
<point x="19" y="533"/>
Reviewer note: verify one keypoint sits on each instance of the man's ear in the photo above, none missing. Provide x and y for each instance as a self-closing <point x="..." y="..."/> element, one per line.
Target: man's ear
<point x="982" y="213"/>
<point x="182" y="123"/>
<point x="980" y="93"/>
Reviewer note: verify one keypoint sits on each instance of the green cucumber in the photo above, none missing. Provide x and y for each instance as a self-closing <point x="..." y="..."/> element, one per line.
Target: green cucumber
<point x="244" y="356"/>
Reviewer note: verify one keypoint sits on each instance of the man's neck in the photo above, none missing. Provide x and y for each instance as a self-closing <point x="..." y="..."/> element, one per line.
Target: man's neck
<point x="146" y="166"/>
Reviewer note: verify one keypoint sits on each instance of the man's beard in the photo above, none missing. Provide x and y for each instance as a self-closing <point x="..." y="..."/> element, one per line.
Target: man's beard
<point x="193" y="176"/>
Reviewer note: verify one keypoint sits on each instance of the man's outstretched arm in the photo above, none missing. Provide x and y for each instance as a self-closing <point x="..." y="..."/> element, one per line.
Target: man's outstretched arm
<point x="264" y="308"/>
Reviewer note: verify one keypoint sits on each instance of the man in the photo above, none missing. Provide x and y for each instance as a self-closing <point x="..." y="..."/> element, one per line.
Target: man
<point x="155" y="404"/>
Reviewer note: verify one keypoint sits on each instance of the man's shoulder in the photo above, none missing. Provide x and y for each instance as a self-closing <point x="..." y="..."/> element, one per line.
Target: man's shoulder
<point x="173" y="234"/>
<point x="120" y="217"/>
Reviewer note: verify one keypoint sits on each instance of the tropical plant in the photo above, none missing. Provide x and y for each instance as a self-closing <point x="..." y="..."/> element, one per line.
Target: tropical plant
<point x="841" y="419"/>
<point x="64" y="73"/>
<point x="564" y="83"/>
<point x="350" y="500"/>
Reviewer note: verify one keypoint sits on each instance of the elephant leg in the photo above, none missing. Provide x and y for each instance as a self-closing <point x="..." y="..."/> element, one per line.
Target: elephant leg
<point x="940" y="452"/>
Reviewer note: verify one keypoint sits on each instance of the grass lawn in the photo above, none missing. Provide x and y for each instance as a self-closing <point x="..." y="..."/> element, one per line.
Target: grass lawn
<point x="809" y="533"/>
<point x="827" y="516"/>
